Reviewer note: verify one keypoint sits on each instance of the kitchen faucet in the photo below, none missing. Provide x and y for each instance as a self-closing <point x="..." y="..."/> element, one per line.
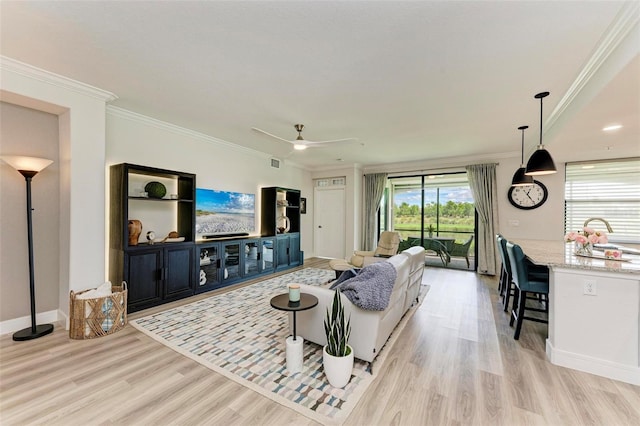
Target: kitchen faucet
<point x="586" y="222"/>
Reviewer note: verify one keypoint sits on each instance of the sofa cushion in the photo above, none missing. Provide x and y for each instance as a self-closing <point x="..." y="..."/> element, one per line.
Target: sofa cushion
<point x="371" y="288"/>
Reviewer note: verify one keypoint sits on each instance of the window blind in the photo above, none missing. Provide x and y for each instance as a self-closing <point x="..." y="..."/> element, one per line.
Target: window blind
<point x="607" y="189"/>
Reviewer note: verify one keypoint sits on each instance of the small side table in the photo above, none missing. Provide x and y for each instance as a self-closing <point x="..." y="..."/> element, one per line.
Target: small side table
<point x="294" y="351"/>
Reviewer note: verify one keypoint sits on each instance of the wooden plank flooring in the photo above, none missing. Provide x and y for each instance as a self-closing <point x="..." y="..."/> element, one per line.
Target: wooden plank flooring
<point x="456" y="363"/>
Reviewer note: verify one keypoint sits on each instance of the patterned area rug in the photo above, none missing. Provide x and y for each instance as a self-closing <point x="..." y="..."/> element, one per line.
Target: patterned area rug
<point x="238" y="334"/>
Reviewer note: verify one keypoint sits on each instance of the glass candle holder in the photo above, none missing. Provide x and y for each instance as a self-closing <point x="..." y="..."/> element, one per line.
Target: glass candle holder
<point x="613" y="254"/>
<point x="294" y="292"/>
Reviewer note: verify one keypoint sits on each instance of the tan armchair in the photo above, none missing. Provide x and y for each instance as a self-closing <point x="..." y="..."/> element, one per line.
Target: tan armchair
<point x="387" y="247"/>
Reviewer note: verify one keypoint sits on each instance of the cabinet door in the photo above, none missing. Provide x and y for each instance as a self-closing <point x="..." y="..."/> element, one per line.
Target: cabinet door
<point x="231" y="261"/>
<point x="252" y="257"/>
<point x="267" y="251"/>
<point x="294" y="249"/>
<point x="178" y="272"/>
<point x="209" y="268"/>
<point x="142" y="274"/>
<point x="282" y="252"/>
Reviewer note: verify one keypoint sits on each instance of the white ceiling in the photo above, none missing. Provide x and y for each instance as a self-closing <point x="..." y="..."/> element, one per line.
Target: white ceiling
<point x="411" y="80"/>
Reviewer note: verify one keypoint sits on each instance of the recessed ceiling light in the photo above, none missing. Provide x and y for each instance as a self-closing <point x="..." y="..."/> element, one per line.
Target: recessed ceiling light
<point x="612" y="127"/>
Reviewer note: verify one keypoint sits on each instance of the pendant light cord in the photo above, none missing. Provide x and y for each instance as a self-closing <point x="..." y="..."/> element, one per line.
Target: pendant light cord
<point x="541" y="96"/>
<point x="523" y="128"/>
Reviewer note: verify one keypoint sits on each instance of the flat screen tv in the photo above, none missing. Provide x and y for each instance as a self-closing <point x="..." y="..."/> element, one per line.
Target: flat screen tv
<point x="221" y="213"/>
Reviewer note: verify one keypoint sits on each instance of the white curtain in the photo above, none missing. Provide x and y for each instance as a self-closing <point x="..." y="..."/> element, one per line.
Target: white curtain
<point x="373" y="190"/>
<point x="482" y="180"/>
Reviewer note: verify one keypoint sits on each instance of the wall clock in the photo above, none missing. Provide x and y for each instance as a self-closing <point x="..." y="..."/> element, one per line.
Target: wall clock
<point x="528" y="197"/>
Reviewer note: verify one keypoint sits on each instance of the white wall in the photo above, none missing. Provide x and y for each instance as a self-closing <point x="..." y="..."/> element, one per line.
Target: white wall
<point x="81" y="121"/>
<point x="545" y="222"/>
<point x="133" y="138"/>
<point x="353" y="203"/>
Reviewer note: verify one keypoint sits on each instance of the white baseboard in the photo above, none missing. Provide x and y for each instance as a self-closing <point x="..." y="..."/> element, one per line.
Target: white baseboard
<point x="13" y="325"/>
<point x="600" y="367"/>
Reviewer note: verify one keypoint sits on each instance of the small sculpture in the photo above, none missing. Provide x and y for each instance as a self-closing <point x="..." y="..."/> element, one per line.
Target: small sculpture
<point x="283" y="224"/>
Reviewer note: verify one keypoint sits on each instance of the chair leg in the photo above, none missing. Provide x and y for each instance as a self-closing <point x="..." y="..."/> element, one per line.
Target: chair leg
<point x="468" y="264"/>
<point x="522" y="301"/>
<point x="516" y="299"/>
<point x="507" y="295"/>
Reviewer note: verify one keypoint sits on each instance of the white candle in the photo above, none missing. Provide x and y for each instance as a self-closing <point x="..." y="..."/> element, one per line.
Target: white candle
<point x="294" y="292"/>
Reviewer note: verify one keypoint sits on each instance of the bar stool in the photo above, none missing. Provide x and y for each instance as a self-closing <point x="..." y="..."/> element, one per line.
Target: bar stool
<point x="525" y="283"/>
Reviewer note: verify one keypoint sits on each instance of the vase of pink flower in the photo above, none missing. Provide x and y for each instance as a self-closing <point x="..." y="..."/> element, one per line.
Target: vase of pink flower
<point x="585" y="240"/>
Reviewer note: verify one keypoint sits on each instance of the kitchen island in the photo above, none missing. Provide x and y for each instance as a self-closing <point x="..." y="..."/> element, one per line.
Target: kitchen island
<point x="594" y="310"/>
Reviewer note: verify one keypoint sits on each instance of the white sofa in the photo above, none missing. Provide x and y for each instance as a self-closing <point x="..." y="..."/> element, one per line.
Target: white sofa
<point x="370" y="330"/>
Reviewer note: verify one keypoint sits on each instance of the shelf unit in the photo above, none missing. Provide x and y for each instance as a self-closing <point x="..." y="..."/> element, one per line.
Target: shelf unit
<point x="155" y="272"/>
<point x="276" y="203"/>
<point x="223" y="263"/>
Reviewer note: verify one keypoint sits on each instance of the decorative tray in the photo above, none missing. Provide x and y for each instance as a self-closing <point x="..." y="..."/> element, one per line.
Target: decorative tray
<point x="167" y="240"/>
<point x="601" y="257"/>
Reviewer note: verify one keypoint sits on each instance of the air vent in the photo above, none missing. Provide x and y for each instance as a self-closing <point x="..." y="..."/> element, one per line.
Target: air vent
<point x="275" y="163"/>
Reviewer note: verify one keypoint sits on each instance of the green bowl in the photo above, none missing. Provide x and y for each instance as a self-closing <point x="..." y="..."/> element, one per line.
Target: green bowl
<point x="155" y="190"/>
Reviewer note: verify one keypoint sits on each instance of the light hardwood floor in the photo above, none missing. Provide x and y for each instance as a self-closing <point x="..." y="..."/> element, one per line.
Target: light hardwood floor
<point x="455" y="363"/>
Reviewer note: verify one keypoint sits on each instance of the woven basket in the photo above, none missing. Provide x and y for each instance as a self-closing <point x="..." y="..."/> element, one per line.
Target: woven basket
<point x="91" y="318"/>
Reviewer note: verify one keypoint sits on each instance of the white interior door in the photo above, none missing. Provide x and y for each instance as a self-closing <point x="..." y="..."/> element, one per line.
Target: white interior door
<point x="329" y="215"/>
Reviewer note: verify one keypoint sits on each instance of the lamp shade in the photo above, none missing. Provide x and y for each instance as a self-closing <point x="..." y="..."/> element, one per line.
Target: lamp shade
<point x="27" y="164"/>
<point x="521" y="179"/>
<point x="299" y="146"/>
<point x="540" y="163"/>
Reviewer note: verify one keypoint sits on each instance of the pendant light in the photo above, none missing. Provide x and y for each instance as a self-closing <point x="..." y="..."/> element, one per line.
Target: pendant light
<point x="540" y="162"/>
<point x="519" y="178"/>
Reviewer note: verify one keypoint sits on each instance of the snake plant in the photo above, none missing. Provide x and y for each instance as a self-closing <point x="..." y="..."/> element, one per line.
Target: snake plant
<point x="337" y="329"/>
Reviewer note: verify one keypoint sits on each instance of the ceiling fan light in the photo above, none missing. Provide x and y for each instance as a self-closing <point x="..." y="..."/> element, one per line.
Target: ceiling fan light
<point x="521" y="179"/>
<point x="299" y="147"/>
<point x="540" y="163"/>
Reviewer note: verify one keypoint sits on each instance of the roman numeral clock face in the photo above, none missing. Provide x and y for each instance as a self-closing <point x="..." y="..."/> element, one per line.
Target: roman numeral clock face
<point x="528" y="197"/>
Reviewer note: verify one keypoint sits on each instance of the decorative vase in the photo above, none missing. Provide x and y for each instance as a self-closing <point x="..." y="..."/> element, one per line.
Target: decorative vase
<point x="585" y="249"/>
<point x="135" y="228"/>
<point x="337" y="368"/>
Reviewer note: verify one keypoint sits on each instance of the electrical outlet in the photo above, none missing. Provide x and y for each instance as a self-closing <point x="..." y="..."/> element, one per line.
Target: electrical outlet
<point x="590" y="287"/>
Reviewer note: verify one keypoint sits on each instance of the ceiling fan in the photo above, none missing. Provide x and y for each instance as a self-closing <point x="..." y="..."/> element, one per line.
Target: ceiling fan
<point x="300" y="143"/>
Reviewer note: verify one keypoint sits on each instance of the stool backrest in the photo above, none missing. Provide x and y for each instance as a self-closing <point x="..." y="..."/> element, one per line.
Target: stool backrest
<point x="519" y="269"/>
<point x="502" y="249"/>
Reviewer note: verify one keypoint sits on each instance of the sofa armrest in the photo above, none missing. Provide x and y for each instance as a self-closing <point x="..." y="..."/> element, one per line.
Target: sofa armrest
<point x="374" y="259"/>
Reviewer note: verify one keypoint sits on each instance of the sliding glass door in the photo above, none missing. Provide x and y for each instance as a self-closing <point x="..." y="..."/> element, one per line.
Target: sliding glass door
<point x="435" y="211"/>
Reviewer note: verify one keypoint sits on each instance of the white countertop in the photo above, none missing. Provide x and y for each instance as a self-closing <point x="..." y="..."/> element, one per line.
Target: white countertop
<point x="561" y="254"/>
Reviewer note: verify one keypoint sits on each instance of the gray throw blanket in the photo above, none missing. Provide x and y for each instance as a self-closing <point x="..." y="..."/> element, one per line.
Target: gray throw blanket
<point x="369" y="289"/>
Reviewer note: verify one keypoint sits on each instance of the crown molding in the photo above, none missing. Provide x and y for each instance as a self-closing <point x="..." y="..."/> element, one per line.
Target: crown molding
<point x="432" y="164"/>
<point x="616" y="33"/>
<point x="173" y="128"/>
<point x="26" y="70"/>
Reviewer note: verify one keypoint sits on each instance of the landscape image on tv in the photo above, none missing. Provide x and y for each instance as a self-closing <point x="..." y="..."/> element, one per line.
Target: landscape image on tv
<point x="221" y="212"/>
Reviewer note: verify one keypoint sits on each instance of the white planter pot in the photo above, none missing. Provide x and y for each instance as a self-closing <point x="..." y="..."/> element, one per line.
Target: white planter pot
<point x="337" y="368"/>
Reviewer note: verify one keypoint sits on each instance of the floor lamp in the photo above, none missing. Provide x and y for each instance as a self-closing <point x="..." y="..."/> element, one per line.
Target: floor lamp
<point x="29" y="167"/>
